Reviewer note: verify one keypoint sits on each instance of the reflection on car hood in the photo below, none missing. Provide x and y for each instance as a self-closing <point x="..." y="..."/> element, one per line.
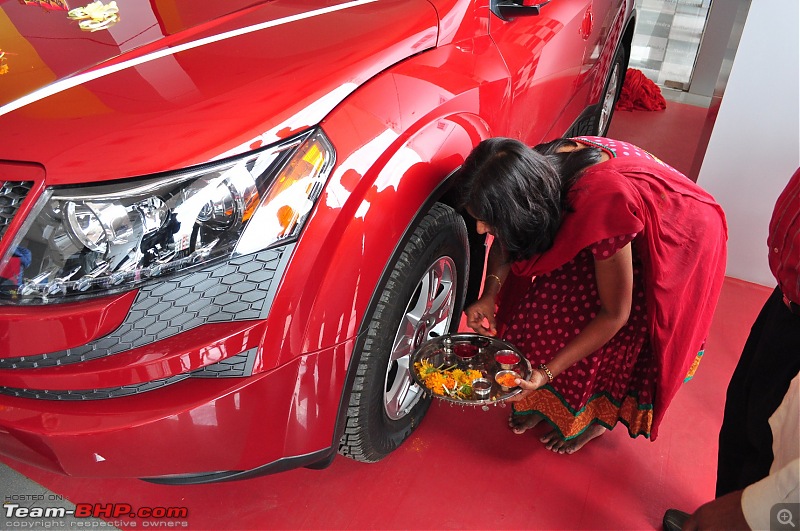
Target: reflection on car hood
<point x="211" y="78"/>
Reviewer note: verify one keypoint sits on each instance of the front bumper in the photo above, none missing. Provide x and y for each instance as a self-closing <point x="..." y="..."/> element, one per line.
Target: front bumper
<point x="181" y="377"/>
<point x="193" y="427"/>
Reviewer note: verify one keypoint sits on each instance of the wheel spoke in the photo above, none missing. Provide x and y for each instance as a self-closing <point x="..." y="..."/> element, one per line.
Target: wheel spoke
<point x="405" y="337"/>
<point x="440" y="307"/>
<point x="419" y="310"/>
<point x="609" y="99"/>
<point x="399" y="395"/>
<point x="429" y="311"/>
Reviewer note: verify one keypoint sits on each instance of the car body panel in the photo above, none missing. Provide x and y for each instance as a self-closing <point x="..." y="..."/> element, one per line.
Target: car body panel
<point x="191" y="350"/>
<point x="60" y="326"/>
<point x="154" y="95"/>
<point x="554" y="57"/>
<point x="403" y="94"/>
<point x="356" y="227"/>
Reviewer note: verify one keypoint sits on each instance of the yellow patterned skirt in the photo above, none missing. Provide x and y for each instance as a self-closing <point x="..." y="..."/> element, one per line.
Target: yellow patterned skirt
<point x="600" y="409"/>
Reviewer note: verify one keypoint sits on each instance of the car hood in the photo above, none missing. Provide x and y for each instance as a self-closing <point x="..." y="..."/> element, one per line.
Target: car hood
<point x="173" y="83"/>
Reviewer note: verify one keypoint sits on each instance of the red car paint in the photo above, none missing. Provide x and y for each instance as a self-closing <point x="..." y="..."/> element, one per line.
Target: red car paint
<point x="402" y="88"/>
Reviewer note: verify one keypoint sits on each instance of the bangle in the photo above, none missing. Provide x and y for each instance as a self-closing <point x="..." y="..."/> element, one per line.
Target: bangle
<point x="549" y="374"/>
<point x="499" y="282"/>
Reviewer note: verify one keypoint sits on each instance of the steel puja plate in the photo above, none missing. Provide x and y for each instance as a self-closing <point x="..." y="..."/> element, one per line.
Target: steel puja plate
<point x="466" y="351"/>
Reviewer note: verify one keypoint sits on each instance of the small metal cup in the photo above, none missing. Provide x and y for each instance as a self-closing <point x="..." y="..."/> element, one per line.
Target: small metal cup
<point x="500" y="377"/>
<point x="481" y="388"/>
<point x="506" y="353"/>
<point x="465" y="350"/>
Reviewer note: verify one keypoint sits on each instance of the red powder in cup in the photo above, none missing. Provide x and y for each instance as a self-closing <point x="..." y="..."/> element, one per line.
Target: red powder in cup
<point x="465" y="350"/>
<point x="507" y="359"/>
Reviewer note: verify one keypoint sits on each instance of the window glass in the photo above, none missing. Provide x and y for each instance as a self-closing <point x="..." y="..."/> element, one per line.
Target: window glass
<point x="667" y="38"/>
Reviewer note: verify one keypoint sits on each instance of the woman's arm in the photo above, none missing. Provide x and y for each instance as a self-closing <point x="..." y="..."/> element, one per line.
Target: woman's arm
<point x="481" y="314"/>
<point x="615" y="290"/>
<point x="497" y="268"/>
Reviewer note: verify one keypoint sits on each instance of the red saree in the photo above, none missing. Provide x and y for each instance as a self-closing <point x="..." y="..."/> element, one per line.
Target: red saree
<point x="680" y="243"/>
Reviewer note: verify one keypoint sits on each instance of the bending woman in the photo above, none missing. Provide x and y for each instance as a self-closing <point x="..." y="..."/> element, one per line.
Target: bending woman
<point x="605" y="270"/>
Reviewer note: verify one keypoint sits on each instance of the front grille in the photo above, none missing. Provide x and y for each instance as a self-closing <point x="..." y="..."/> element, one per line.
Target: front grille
<point x="12" y="193"/>
<point x="238" y="289"/>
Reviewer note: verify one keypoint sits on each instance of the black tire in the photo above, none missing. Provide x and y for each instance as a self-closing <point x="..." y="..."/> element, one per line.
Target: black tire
<point x="611" y="92"/>
<point x="385" y="405"/>
<point x="596" y="119"/>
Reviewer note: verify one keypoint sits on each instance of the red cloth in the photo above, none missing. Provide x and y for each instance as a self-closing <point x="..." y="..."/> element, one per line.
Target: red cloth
<point x="784" y="240"/>
<point x="682" y="245"/>
<point x="640" y="93"/>
<point x="12" y="269"/>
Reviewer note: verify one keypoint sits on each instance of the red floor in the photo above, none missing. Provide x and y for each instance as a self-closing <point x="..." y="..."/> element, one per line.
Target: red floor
<point x="463" y="469"/>
<point x="672" y="135"/>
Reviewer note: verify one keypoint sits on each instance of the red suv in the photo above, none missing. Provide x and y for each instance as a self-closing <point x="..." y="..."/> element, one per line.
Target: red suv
<point x="226" y="225"/>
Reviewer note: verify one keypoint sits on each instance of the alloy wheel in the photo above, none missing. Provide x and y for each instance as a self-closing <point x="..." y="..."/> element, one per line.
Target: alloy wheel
<point x="609" y="99"/>
<point x="427" y="315"/>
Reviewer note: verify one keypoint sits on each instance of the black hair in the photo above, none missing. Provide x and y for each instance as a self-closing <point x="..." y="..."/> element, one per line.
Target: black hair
<point x="521" y="192"/>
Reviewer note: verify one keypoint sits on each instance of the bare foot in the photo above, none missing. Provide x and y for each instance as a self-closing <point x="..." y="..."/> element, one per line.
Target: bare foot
<point x="553" y="441"/>
<point x="522" y="423"/>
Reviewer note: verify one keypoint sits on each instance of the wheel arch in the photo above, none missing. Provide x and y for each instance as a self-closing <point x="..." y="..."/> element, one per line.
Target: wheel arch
<point x="398" y="139"/>
<point x="381" y="213"/>
<point x="422" y="185"/>
<point x="626" y="40"/>
<point x="625" y="31"/>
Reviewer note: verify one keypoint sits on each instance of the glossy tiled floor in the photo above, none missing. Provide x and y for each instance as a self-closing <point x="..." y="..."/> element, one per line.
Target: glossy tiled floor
<point x="463" y="468"/>
<point x="672" y="134"/>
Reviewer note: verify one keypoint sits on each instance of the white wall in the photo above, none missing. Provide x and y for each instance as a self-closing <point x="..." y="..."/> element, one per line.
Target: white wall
<point x="755" y="144"/>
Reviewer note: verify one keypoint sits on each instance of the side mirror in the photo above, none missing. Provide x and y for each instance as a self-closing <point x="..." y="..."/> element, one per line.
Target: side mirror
<point x="510" y="9"/>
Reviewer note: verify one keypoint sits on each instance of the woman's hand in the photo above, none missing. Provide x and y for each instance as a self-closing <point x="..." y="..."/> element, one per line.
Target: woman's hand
<point x="480" y="316"/>
<point x="538" y="379"/>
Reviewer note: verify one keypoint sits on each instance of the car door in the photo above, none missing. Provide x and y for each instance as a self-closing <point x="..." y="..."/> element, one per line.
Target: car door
<point x="550" y="57"/>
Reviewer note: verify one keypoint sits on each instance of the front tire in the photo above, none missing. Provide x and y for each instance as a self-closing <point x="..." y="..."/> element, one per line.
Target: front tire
<point x="421" y="299"/>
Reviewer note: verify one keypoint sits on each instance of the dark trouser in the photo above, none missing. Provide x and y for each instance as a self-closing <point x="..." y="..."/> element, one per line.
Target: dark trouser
<point x="769" y="361"/>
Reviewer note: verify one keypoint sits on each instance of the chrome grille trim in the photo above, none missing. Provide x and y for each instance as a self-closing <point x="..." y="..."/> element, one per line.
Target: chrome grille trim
<point x="12" y="194"/>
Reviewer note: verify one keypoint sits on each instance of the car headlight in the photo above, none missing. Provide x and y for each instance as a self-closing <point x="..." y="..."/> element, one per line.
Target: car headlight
<point x="99" y="239"/>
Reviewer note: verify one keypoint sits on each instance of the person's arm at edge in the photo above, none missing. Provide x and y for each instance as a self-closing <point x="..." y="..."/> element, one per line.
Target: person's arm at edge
<point x="749" y="508"/>
<point x="752" y="507"/>
<point x="780" y="486"/>
<point x="723" y="513"/>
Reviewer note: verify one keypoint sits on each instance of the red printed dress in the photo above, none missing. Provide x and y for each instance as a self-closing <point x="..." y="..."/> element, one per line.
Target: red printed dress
<point x="678" y="239"/>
